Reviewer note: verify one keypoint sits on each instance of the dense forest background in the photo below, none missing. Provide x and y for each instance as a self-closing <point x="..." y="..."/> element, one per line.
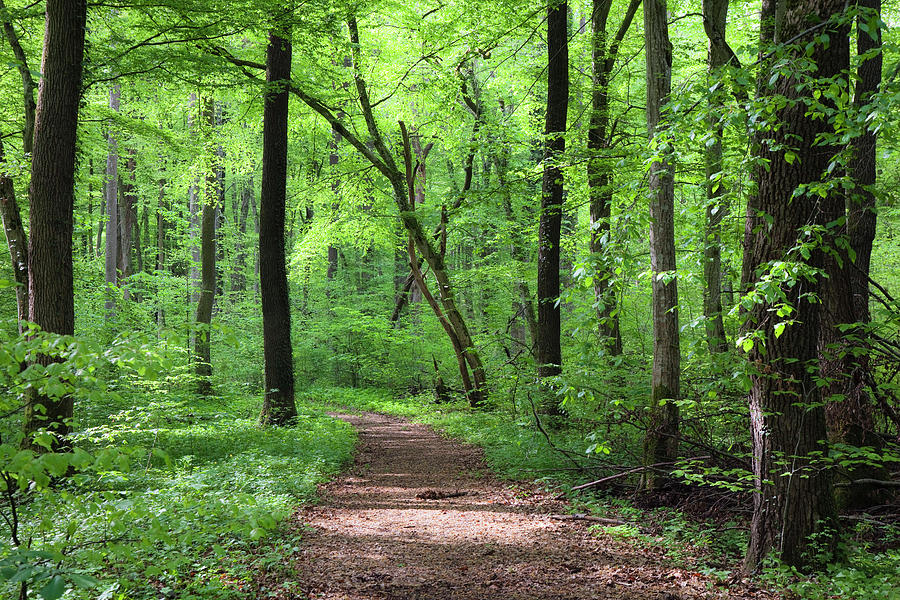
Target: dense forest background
<point x="651" y="243"/>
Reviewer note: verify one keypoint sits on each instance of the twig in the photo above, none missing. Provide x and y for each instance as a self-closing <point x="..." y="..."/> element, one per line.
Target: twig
<point x="628" y="472"/>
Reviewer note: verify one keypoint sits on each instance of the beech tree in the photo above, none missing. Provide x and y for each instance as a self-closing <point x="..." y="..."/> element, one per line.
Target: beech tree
<point x="278" y="408"/>
<point x="661" y="440"/>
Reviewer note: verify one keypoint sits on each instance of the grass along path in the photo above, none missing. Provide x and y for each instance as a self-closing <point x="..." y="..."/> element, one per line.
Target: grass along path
<point x="420" y="516"/>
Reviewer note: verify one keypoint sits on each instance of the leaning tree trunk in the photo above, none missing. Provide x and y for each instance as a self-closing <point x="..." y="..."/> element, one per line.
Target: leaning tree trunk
<point x="845" y="298"/>
<point x="202" y="348"/>
<point x="661" y="440"/>
<point x="51" y="282"/>
<point x="548" y="349"/>
<point x="278" y="407"/>
<point x="16" y="239"/>
<point x="794" y="498"/>
<point x="715" y="13"/>
<point x="28" y="86"/>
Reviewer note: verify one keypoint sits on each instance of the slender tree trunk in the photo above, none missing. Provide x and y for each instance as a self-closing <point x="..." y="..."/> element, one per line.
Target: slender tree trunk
<point x="127" y="224"/>
<point x="239" y="278"/>
<point x="715" y="13"/>
<point x="661" y="440"/>
<point x="333" y="160"/>
<point x="599" y="168"/>
<point x="28" y="86"/>
<point x="845" y="296"/>
<point x="16" y="239"/>
<point x="202" y="347"/>
<point x="794" y="496"/>
<point x="111" y="200"/>
<point x="161" y="225"/>
<point x="549" y="351"/>
<point x="194" y="211"/>
<point x="278" y="407"/>
<point x="51" y="283"/>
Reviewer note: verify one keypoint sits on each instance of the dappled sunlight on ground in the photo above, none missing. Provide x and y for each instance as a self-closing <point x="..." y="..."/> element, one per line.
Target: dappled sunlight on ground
<point x="420" y="517"/>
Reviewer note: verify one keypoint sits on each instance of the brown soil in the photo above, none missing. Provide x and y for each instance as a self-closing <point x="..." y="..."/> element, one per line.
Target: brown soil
<point x="421" y="517"/>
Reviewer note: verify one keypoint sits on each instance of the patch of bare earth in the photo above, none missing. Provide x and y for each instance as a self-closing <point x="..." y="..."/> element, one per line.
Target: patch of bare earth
<point x="420" y="516"/>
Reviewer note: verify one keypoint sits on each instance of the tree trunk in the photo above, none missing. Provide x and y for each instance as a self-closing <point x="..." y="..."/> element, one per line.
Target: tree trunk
<point x="161" y="225"/>
<point x="111" y="200"/>
<point x="28" y="86"/>
<point x="202" y="349"/>
<point x="845" y="297"/>
<point x="549" y="351"/>
<point x="16" y="239"/>
<point x="661" y="441"/>
<point x="127" y="224"/>
<point x="278" y="407"/>
<point x="239" y="277"/>
<point x="194" y="211"/>
<point x="599" y="167"/>
<point x="794" y="498"/>
<point x="51" y="285"/>
<point x="715" y="13"/>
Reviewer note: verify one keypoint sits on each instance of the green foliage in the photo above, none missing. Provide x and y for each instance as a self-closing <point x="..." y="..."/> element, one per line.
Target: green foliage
<point x="157" y="477"/>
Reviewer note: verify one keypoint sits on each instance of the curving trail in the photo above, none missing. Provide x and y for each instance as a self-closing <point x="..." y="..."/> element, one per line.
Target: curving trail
<point x="421" y="517"/>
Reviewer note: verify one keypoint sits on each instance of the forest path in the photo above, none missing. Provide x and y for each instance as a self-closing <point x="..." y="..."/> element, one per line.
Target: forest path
<point x="394" y="528"/>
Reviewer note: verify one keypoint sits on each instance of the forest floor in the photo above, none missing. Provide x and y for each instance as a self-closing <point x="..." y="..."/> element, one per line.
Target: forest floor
<point x="421" y="517"/>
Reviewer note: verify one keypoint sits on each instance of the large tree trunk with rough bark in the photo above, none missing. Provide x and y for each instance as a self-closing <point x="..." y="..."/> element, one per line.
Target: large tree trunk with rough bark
<point x="794" y="498"/>
<point x="278" y="407"/>
<point x="51" y="282"/>
<point x="548" y="347"/>
<point x="661" y="440"/>
<point x="845" y="295"/>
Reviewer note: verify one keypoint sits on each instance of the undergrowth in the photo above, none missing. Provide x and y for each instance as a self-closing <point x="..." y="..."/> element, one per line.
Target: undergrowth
<point x="189" y="503"/>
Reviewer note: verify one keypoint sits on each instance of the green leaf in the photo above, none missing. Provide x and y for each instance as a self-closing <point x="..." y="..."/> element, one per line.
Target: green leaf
<point x="54" y="589"/>
<point x="83" y="581"/>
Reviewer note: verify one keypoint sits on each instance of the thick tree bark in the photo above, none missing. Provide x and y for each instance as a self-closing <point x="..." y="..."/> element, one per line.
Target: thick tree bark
<point x="111" y="201"/>
<point x="794" y="497"/>
<point x="661" y="441"/>
<point x="599" y="168"/>
<point x="202" y="348"/>
<point x="715" y="13"/>
<point x="16" y="239"/>
<point x="845" y="296"/>
<point x="548" y="349"/>
<point x="278" y="407"/>
<point x="51" y="284"/>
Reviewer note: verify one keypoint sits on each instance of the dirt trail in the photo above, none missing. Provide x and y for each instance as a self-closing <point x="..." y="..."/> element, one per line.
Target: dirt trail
<point x="388" y="530"/>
